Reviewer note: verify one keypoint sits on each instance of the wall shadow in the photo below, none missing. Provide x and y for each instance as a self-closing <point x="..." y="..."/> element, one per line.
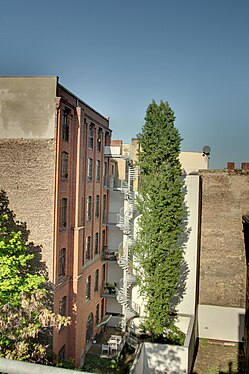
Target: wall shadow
<point x="34" y="265"/>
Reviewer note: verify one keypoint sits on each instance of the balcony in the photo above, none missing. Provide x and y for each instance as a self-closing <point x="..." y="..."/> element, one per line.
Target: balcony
<point x="110" y="255"/>
<point x="109" y="290"/>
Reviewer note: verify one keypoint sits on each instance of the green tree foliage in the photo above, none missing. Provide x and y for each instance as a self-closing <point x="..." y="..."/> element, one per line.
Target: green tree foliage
<point x="158" y="249"/>
<point x="26" y="317"/>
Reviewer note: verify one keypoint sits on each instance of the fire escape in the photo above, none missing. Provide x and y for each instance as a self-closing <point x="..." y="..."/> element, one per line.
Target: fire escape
<point x="125" y="223"/>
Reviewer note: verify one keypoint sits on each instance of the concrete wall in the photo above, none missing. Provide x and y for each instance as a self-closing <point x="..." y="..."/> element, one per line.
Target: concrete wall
<point x="225" y="198"/>
<point x="27" y="175"/>
<point x="221" y="323"/>
<point x="27" y="107"/>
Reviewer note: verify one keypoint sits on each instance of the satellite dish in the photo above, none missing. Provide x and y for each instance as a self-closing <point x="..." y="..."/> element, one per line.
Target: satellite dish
<point x="206" y="150"/>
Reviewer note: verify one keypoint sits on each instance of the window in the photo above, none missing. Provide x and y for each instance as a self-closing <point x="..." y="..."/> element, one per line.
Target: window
<point x="99" y="140"/>
<point x="89" y="208"/>
<point x="88" y="288"/>
<point x="89" y="328"/>
<point x="64" y="165"/>
<point x="97" y="314"/>
<point x="90" y="170"/>
<point x="103" y="241"/>
<point x="63" y="306"/>
<point x="65" y="125"/>
<point x="102" y="308"/>
<point x="97" y="206"/>
<point x="96" y="244"/>
<point x="88" y="248"/>
<point x="103" y="274"/>
<point x="62" y="353"/>
<point x="90" y="137"/>
<point x="104" y="209"/>
<point x="96" y="281"/>
<point x="98" y="171"/>
<point x="63" y="213"/>
<point x="107" y="138"/>
<point x="105" y="174"/>
<point x="62" y="262"/>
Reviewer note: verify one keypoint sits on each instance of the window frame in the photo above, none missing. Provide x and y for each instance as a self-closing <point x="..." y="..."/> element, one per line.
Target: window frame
<point x="62" y="262"/>
<point x="91" y="136"/>
<point x="64" y="165"/>
<point x="96" y="243"/>
<point x="63" y="213"/>
<point x="98" y="171"/>
<point x="88" y="248"/>
<point x="63" y="306"/>
<point x="88" y="288"/>
<point x="90" y="169"/>
<point x="96" y="281"/>
<point x="65" y="124"/>
<point x="89" y="208"/>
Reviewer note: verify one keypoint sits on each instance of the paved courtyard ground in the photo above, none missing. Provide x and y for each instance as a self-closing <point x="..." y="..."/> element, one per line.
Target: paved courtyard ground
<point x="219" y="358"/>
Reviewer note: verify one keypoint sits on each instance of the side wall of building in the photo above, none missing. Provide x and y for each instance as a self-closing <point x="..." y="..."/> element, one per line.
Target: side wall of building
<point x="225" y="198"/>
<point x="27" y="108"/>
<point x="27" y="175"/>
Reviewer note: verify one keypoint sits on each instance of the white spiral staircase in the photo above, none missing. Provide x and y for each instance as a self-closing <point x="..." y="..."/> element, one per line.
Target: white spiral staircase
<point x="125" y="223"/>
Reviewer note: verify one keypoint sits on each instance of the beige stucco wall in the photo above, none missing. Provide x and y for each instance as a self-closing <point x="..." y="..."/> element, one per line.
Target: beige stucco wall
<point x="193" y="161"/>
<point x="27" y="107"/>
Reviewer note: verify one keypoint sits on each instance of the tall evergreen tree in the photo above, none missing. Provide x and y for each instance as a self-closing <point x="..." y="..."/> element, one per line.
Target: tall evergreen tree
<point x="158" y="249"/>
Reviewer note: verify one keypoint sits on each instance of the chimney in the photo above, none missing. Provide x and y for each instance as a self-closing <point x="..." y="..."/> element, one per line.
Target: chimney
<point x="245" y="166"/>
<point x="230" y="165"/>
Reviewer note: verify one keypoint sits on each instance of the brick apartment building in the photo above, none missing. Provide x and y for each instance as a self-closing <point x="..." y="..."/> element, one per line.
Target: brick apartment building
<point x="54" y="170"/>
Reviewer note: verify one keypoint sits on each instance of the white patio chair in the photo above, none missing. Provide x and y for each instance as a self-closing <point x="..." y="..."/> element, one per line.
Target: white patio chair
<point x="105" y="350"/>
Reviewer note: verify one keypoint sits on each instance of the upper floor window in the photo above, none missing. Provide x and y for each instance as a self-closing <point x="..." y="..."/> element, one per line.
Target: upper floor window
<point x="107" y="138"/>
<point x="89" y="208"/>
<point x="96" y="281"/>
<point x="90" y="170"/>
<point x="105" y="174"/>
<point x="103" y="241"/>
<point x="96" y="243"/>
<point x="63" y="213"/>
<point x="104" y="210"/>
<point x="63" y="306"/>
<point x="88" y="288"/>
<point x="97" y="206"/>
<point x="88" y="248"/>
<point x="97" y="314"/>
<point x="98" y="171"/>
<point x="103" y="273"/>
<point x="90" y="137"/>
<point x="64" y="165"/>
<point x="65" y="125"/>
<point x="62" y="262"/>
<point x="99" y="140"/>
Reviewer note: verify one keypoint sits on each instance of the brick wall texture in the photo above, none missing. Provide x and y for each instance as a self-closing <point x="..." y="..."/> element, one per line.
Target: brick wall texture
<point x="225" y="198"/>
<point x="27" y="173"/>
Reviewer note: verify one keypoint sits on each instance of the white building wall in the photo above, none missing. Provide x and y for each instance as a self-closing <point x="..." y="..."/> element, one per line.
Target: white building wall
<point x="221" y="323"/>
<point x="187" y="305"/>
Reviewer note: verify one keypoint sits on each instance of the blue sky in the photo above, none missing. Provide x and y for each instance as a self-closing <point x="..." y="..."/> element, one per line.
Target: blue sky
<point x="119" y="55"/>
